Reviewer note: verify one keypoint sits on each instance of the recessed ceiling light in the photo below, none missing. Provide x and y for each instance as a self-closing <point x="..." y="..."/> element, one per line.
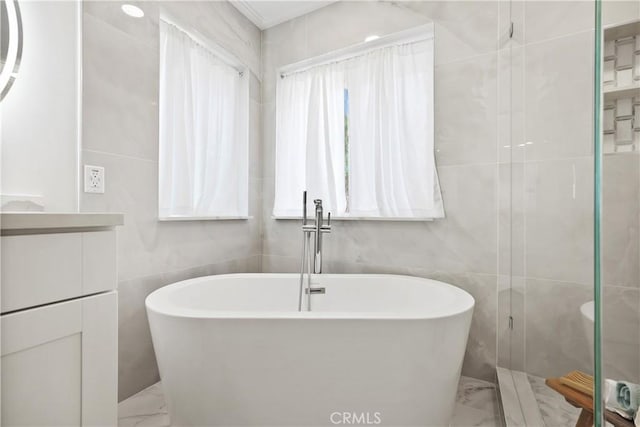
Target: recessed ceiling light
<point x="371" y="38"/>
<point x="132" y="10"/>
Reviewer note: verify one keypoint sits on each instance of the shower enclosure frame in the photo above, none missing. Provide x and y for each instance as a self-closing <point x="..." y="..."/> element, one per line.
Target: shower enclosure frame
<point x="598" y="404"/>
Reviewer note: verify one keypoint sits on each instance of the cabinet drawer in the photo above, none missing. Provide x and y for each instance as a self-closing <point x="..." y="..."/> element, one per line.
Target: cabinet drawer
<point x="43" y="268"/>
<point x="40" y="268"/>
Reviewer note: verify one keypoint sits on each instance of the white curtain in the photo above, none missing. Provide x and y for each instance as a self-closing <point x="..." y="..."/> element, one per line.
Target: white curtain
<point x="393" y="171"/>
<point x="203" y="161"/>
<point x="310" y="135"/>
<point x="391" y="164"/>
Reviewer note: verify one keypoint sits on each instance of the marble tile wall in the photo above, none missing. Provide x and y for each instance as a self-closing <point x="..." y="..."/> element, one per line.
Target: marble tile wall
<point x="120" y="132"/>
<point x="462" y="249"/>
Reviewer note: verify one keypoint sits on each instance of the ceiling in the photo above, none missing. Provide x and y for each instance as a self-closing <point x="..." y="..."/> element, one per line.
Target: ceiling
<point x="267" y="14"/>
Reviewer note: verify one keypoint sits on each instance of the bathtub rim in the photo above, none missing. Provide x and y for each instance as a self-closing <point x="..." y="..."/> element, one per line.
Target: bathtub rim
<point x="154" y="303"/>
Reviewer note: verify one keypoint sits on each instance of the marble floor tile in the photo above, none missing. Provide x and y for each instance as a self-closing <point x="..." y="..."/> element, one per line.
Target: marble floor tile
<point x="477" y="394"/>
<point x="146" y="408"/>
<point x="476" y="405"/>
<point x="555" y="410"/>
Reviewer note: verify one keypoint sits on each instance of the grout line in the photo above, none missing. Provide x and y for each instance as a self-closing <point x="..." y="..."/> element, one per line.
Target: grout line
<point x="482" y="55"/>
<point x="106" y="153"/>
<point x="563" y="36"/>
<point x="147" y="42"/>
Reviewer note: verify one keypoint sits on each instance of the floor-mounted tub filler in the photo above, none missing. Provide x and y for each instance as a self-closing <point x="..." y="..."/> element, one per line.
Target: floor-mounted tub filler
<point x="233" y="350"/>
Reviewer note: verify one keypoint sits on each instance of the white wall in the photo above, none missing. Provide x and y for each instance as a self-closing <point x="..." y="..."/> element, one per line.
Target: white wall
<point x="40" y="113"/>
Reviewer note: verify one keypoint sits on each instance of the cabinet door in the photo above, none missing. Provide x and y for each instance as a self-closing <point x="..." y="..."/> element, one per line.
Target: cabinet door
<point x="59" y="364"/>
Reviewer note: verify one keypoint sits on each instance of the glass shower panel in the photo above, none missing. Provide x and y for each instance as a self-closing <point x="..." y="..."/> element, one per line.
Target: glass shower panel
<point x="546" y="186"/>
<point x="546" y="146"/>
<point x="557" y="187"/>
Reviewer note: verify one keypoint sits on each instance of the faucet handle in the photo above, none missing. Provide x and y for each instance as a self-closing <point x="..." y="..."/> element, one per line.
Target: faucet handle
<point x="304" y="207"/>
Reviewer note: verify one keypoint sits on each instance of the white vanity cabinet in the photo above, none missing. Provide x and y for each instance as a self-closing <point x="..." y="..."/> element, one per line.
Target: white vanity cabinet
<point x="59" y="321"/>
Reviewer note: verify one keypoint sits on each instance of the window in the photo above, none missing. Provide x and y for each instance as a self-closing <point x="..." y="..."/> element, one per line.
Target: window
<point x="355" y="129"/>
<point x="203" y="156"/>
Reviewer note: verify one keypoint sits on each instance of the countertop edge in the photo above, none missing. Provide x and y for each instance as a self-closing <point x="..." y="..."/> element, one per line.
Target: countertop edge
<point x="58" y="220"/>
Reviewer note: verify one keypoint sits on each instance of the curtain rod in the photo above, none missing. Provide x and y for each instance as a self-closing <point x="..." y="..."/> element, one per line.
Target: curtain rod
<point x="215" y="50"/>
<point x="404" y="37"/>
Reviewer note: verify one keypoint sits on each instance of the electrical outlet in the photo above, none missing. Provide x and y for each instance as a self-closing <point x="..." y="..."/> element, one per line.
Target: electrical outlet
<point x="93" y="179"/>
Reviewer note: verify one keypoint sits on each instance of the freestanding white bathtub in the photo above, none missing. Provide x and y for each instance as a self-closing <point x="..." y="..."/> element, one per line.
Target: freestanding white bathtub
<point x="375" y="350"/>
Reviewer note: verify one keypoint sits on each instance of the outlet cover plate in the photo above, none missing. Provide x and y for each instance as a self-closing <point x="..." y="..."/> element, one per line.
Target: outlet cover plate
<point x="93" y="179"/>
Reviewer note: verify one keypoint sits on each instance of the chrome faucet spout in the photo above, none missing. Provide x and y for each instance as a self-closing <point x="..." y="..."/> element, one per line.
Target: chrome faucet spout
<point x="317" y="254"/>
